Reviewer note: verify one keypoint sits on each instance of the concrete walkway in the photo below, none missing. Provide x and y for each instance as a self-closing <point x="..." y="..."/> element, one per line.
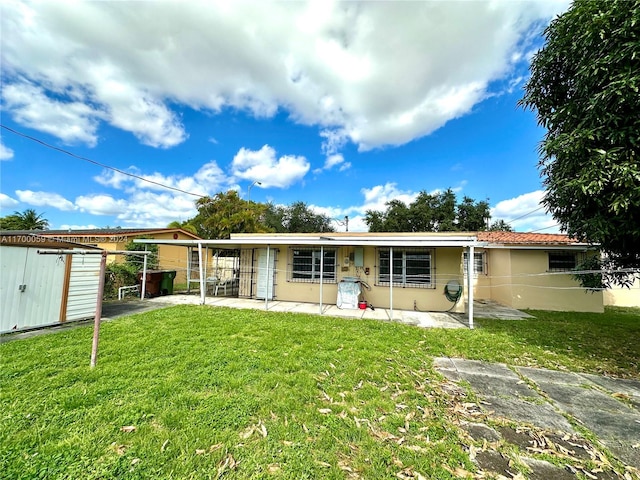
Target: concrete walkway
<point x="419" y="319"/>
<point x="555" y="401"/>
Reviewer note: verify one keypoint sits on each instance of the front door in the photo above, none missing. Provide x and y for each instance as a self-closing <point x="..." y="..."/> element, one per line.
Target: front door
<point x="264" y="282"/>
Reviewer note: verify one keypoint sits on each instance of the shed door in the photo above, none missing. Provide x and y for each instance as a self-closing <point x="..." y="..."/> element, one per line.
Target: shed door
<point x="32" y="295"/>
<point x="264" y="283"/>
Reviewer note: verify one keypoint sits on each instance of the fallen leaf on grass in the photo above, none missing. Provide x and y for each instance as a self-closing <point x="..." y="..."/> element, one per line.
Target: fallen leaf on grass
<point x="323" y="464"/>
<point x="200" y="451"/>
<point x="622" y="396"/>
<point x="273" y="468"/>
<point x="128" y="429"/>
<point x="324" y="411"/>
<point x="227" y="463"/>
<point x="164" y="445"/>
<point x="119" y="449"/>
<point x="135" y="461"/>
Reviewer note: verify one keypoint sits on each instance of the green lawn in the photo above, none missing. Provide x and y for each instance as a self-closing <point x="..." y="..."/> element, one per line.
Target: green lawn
<point x="200" y="392"/>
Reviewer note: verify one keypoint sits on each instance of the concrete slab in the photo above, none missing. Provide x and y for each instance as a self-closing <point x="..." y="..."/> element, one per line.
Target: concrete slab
<point x="616" y="385"/>
<point x="571" y="397"/>
<point x="544" y="376"/>
<point x="587" y="398"/>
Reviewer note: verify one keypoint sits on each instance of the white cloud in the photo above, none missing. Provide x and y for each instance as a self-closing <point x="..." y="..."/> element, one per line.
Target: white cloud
<point x="5" y="152"/>
<point x="263" y="166"/>
<point x="206" y="181"/>
<point x="45" y="199"/>
<point x="373" y="73"/>
<point x="335" y="160"/>
<point x="7" y="202"/>
<point x="101" y="204"/>
<point x="73" y="122"/>
<point x="525" y="213"/>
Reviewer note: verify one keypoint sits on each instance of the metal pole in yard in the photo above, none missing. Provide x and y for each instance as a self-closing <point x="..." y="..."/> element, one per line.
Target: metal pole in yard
<point x="98" y="317"/>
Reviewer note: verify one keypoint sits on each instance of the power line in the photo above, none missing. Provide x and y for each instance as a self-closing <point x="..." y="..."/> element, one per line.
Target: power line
<point x="526" y="214"/>
<point x="79" y="157"/>
<point x="543" y="228"/>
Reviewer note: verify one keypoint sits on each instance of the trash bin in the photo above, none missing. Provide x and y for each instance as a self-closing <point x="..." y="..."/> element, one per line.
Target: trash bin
<point x="153" y="283"/>
<point x="166" y="285"/>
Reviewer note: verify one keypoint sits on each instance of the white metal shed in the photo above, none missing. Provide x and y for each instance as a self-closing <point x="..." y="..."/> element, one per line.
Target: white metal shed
<point x="40" y="290"/>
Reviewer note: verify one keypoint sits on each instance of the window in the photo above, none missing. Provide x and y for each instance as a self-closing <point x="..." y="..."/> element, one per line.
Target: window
<point x="478" y="263"/>
<point x="411" y="267"/>
<point x="561" y="261"/>
<point x="305" y="265"/>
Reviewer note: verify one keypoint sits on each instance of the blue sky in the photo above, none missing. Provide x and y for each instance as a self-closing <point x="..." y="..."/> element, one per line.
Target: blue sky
<point x="341" y="105"/>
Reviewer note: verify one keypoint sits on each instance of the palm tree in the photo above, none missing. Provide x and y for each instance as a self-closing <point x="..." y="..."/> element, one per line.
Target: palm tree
<point x="30" y="220"/>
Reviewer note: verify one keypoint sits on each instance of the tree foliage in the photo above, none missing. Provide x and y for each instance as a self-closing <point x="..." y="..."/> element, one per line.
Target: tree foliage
<point x="295" y="218"/>
<point x="585" y="89"/>
<point x="27" y="220"/>
<point x="439" y="212"/>
<point x="137" y="261"/>
<point x="184" y="226"/>
<point x="226" y="213"/>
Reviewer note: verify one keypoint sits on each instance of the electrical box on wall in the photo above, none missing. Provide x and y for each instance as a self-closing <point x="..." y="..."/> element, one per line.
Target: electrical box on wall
<point x="358" y="257"/>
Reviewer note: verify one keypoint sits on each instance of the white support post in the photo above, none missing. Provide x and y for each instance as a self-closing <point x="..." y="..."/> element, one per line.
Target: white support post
<point x="203" y="281"/>
<point x="266" y="293"/>
<point x="321" y="274"/>
<point x="470" y="264"/>
<point x="390" y="283"/>
<point x="189" y="251"/>
<point x="143" y="290"/>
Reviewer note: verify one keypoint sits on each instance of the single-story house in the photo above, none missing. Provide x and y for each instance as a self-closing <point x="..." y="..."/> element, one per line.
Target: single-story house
<point x="38" y="290"/>
<point x="533" y="270"/>
<point x="421" y="271"/>
<point x="170" y="257"/>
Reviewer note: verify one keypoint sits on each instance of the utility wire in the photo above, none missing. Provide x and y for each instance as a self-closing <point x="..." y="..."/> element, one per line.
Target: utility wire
<point x="526" y="214"/>
<point x="79" y="157"/>
<point x="543" y="228"/>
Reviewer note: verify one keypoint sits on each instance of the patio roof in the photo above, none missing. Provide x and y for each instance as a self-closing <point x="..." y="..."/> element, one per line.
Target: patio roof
<point x="331" y="239"/>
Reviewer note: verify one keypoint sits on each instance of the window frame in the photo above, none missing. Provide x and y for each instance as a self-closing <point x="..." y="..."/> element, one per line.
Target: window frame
<point x="476" y="256"/>
<point x="401" y="273"/>
<point x="559" y="265"/>
<point x="297" y="274"/>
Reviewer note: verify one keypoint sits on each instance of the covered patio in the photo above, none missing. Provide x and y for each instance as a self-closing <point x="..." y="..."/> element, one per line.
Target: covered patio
<point x="268" y="256"/>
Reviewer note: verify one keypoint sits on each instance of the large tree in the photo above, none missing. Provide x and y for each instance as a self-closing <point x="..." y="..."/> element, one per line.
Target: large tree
<point x="226" y="213"/>
<point x="27" y="220"/>
<point x="585" y="89"/>
<point x="295" y="218"/>
<point x="438" y="212"/>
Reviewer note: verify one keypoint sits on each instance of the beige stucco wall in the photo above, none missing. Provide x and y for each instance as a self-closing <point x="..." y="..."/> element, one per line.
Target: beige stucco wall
<point x="622" y="296"/>
<point x="532" y="286"/>
<point x="447" y="266"/>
